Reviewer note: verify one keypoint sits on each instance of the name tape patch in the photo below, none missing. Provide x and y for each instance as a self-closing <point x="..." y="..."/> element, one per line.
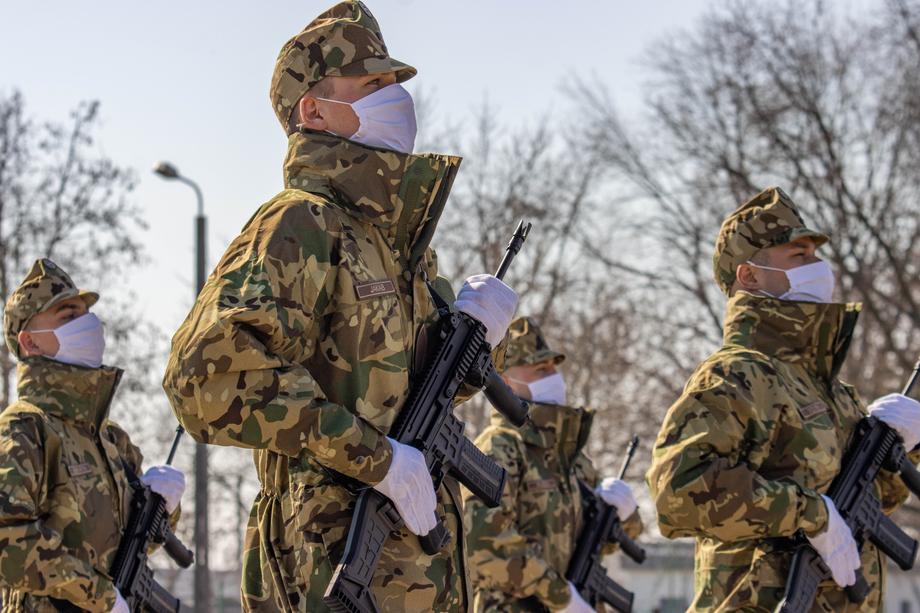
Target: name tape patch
<point x="813" y="409"/>
<point x="374" y="289"/>
<point x="541" y="485"/>
<point x="78" y="470"/>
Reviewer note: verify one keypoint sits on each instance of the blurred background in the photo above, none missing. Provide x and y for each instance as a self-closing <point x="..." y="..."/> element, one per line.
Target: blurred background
<point x="624" y="131"/>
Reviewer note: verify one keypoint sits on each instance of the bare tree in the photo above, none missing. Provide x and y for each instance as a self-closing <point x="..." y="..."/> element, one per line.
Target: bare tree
<point x="791" y="94"/>
<point x="59" y="198"/>
<point x="537" y="173"/>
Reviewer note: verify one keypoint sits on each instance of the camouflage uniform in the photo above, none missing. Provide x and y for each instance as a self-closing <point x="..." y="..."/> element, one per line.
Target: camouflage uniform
<point x="519" y="551"/>
<point x="63" y="488"/>
<point x="301" y="344"/>
<point x="759" y="431"/>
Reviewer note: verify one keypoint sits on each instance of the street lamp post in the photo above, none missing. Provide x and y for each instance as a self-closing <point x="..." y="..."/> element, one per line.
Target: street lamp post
<point x="202" y="576"/>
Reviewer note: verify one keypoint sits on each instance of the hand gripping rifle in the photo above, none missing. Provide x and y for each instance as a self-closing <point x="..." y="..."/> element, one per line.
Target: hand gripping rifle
<point x="148" y="523"/>
<point x="875" y="446"/>
<point x="602" y="525"/>
<point x="460" y="355"/>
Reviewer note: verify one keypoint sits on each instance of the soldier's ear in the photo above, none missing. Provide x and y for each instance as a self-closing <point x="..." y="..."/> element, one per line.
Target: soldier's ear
<point x="746" y="278"/>
<point x="310" y="114"/>
<point x="27" y="345"/>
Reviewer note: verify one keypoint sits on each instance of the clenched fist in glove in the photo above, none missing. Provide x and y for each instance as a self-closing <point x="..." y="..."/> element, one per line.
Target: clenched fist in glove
<point x="617" y="494"/>
<point x="491" y="302"/>
<point x="408" y="485"/>
<point x="837" y="547"/>
<point x="902" y="414"/>
<point x="168" y="482"/>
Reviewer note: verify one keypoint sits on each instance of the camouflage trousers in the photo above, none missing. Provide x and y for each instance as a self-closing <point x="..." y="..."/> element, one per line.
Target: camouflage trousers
<point x="295" y="539"/>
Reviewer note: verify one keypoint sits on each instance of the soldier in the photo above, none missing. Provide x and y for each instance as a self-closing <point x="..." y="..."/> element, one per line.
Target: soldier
<point x="747" y="452"/>
<point x="301" y="344"/>
<point x="64" y="481"/>
<point x="520" y="550"/>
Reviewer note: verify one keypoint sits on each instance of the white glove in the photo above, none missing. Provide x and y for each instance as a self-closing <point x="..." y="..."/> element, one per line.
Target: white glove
<point x="618" y="495"/>
<point x="902" y="414"/>
<point x="121" y="605"/>
<point x="488" y="300"/>
<point x="408" y="485"/>
<point x="837" y="547"/>
<point x="576" y="604"/>
<point x="168" y="482"/>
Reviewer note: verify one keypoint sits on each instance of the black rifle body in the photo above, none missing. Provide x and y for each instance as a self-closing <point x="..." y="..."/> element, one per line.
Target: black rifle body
<point x="875" y="446"/>
<point x="458" y="354"/>
<point x="601" y="525"/>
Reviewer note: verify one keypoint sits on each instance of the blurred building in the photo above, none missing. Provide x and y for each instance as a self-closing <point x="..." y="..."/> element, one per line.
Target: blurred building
<point x="664" y="583"/>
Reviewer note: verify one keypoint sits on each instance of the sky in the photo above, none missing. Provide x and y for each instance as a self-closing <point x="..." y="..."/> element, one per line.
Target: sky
<point x="188" y="82"/>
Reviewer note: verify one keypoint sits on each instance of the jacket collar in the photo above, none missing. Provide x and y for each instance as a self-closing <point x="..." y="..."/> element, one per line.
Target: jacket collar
<point x="562" y="429"/>
<point x="402" y="194"/>
<point x="815" y="335"/>
<point x="72" y="392"/>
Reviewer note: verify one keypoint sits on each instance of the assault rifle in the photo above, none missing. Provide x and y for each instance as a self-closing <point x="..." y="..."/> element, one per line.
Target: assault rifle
<point x="460" y="354"/>
<point x="602" y="525"/>
<point x="148" y="523"/>
<point x="875" y="446"/>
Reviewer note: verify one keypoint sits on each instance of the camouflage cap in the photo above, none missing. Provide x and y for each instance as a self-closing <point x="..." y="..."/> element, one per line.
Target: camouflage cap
<point x="44" y="286"/>
<point x="344" y="41"/>
<point x="769" y="218"/>
<point x="527" y="345"/>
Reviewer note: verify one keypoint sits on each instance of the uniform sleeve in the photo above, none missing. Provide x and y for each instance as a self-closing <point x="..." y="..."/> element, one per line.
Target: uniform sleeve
<point x="33" y="558"/>
<point x="701" y="484"/>
<point x="501" y="558"/>
<point x="585" y="470"/>
<point x="236" y="374"/>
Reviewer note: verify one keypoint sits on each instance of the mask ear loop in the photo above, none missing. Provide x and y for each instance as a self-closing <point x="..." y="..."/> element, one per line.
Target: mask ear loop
<point x="763" y="291"/>
<point x="300" y="126"/>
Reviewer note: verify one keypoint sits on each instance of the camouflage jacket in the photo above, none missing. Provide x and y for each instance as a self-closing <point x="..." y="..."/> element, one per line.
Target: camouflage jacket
<point x="520" y="550"/>
<point x="63" y="488"/>
<point x="745" y="452"/>
<point x="301" y="346"/>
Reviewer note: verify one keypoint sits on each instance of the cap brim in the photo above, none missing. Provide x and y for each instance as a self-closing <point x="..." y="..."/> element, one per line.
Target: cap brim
<point x="547" y="355"/>
<point x="819" y="237"/>
<point x="379" y="65"/>
<point x="90" y="298"/>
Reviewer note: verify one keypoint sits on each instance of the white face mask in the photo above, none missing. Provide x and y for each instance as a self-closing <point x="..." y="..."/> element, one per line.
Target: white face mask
<point x="82" y="341"/>
<point x="386" y="119"/>
<point x="549" y="389"/>
<point x="808" y="283"/>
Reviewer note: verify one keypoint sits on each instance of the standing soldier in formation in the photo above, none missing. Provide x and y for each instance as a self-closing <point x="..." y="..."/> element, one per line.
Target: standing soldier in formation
<point x="64" y="466"/>
<point x="303" y="341"/>
<point x="747" y="452"/>
<point x="519" y="551"/>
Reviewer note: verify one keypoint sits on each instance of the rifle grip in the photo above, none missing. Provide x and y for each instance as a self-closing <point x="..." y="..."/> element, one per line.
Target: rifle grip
<point x="436" y="540"/>
<point x="909" y="475"/>
<point x="177" y="551"/>
<point x="504" y="400"/>
<point x="858" y="592"/>
<point x="633" y="549"/>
